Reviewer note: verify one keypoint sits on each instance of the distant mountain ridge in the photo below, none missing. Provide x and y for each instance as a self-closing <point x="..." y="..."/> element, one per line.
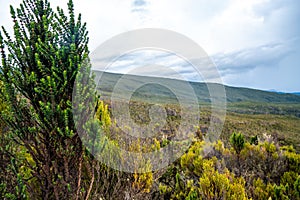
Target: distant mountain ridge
<point x="280" y="92"/>
<point x="155" y="92"/>
<point x="296" y="93"/>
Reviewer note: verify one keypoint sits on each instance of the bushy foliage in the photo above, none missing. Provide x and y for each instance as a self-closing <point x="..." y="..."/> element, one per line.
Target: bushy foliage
<point x="265" y="171"/>
<point x="41" y="152"/>
<point x="39" y="66"/>
<point x="203" y="178"/>
<point x="237" y="141"/>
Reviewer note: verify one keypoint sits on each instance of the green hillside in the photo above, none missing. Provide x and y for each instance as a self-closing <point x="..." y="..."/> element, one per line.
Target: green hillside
<point x="253" y="112"/>
<point x="156" y="92"/>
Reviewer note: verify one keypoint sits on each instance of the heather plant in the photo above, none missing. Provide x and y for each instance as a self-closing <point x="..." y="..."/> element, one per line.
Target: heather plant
<point x="39" y="67"/>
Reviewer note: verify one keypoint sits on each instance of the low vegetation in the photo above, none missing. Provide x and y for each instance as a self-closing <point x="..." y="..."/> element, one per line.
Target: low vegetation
<point x="44" y="154"/>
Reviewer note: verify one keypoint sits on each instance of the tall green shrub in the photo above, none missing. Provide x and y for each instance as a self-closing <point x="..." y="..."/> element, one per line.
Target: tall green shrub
<point x="237" y="141"/>
<point x="39" y="67"/>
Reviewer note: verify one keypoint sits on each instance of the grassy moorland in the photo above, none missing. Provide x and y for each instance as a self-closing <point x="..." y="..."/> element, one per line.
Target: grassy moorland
<point x="57" y="145"/>
<point x="250" y="111"/>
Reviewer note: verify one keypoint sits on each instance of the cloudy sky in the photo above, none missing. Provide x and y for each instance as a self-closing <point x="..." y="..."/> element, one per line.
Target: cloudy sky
<point x="254" y="43"/>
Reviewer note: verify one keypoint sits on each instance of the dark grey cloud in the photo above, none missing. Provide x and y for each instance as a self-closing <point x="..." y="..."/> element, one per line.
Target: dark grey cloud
<point x="268" y="55"/>
<point x="270" y="66"/>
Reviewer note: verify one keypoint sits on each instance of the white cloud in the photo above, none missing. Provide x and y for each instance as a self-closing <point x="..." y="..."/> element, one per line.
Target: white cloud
<point x="218" y="26"/>
<point x="238" y="32"/>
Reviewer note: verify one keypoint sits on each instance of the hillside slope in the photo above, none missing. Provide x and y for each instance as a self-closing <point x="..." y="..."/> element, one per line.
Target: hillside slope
<point x="157" y="92"/>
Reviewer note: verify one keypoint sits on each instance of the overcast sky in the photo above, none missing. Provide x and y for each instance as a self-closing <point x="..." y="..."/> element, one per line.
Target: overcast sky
<point x="254" y="43"/>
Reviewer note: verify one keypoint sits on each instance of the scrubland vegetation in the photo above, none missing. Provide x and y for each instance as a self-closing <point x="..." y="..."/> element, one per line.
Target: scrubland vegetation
<point x="42" y="155"/>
